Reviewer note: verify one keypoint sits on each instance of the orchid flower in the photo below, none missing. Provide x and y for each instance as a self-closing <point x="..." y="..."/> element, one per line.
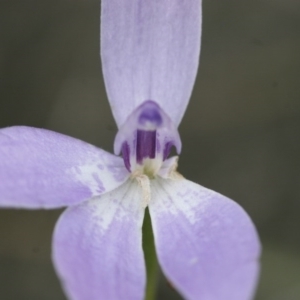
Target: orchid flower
<point x="206" y="244"/>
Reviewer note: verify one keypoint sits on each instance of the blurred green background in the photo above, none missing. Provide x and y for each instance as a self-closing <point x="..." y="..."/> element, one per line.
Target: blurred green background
<point x="240" y="133"/>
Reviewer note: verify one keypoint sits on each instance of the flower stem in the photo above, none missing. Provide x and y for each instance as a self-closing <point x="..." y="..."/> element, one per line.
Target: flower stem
<point x="150" y="258"/>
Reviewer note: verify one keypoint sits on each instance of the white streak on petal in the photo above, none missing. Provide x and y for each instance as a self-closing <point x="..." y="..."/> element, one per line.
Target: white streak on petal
<point x="189" y="204"/>
<point x="100" y="177"/>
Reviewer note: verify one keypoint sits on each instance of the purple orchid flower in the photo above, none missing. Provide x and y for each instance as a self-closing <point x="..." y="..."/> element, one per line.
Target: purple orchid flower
<point x="206" y="244"/>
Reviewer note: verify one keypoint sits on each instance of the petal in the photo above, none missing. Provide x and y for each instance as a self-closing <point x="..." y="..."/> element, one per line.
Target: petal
<point x="206" y="244"/>
<point x="44" y="169"/>
<point x="97" y="247"/>
<point x="150" y="51"/>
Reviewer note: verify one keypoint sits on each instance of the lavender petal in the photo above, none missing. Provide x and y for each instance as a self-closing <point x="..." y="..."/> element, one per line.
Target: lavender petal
<point x="97" y="247"/>
<point x="206" y="244"/>
<point x="43" y="169"/>
<point x="150" y="50"/>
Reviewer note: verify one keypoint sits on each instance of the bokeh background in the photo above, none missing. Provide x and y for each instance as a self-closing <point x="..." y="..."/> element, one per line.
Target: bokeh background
<point x="240" y="133"/>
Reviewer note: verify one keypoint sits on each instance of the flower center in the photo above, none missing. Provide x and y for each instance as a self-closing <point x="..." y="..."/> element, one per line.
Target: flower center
<point x="146" y="139"/>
